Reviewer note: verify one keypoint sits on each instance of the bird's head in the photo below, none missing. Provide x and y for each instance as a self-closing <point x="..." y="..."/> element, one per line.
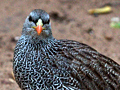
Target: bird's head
<point x="37" y="24"/>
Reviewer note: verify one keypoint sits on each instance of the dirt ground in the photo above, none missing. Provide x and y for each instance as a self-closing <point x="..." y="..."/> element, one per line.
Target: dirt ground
<point x="69" y="19"/>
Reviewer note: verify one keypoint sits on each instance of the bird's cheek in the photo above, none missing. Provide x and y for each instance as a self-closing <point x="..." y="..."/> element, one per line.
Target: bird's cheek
<point x="31" y="32"/>
<point x="46" y="32"/>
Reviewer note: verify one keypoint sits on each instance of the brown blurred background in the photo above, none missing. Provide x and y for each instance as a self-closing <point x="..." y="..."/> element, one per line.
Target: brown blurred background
<point x="70" y="20"/>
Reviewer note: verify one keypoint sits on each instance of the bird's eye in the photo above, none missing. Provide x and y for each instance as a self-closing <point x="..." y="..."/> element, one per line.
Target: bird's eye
<point x="46" y="22"/>
<point x="30" y="18"/>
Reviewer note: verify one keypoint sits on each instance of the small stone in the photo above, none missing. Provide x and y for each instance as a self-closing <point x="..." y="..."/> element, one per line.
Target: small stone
<point x="15" y="39"/>
<point x="11" y="80"/>
<point x="108" y="36"/>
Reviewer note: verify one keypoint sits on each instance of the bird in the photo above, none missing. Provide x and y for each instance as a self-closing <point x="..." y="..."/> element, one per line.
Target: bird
<point x="41" y="62"/>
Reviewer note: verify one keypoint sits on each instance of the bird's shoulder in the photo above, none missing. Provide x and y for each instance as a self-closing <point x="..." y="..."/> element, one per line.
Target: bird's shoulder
<point x="87" y="65"/>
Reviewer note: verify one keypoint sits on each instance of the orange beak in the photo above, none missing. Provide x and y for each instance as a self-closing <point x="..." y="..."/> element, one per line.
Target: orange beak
<point x="39" y="29"/>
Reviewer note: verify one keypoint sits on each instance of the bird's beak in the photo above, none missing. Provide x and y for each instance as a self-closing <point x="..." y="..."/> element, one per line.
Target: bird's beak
<point x="39" y="27"/>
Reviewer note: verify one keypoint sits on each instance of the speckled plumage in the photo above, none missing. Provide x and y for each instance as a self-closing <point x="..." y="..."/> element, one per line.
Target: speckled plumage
<point x="43" y="63"/>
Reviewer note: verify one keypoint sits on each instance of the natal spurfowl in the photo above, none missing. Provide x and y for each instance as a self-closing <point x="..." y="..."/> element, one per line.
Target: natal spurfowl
<point x="42" y="62"/>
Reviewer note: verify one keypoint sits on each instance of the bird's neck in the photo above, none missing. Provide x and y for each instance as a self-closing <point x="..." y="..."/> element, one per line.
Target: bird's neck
<point x="38" y="40"/>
